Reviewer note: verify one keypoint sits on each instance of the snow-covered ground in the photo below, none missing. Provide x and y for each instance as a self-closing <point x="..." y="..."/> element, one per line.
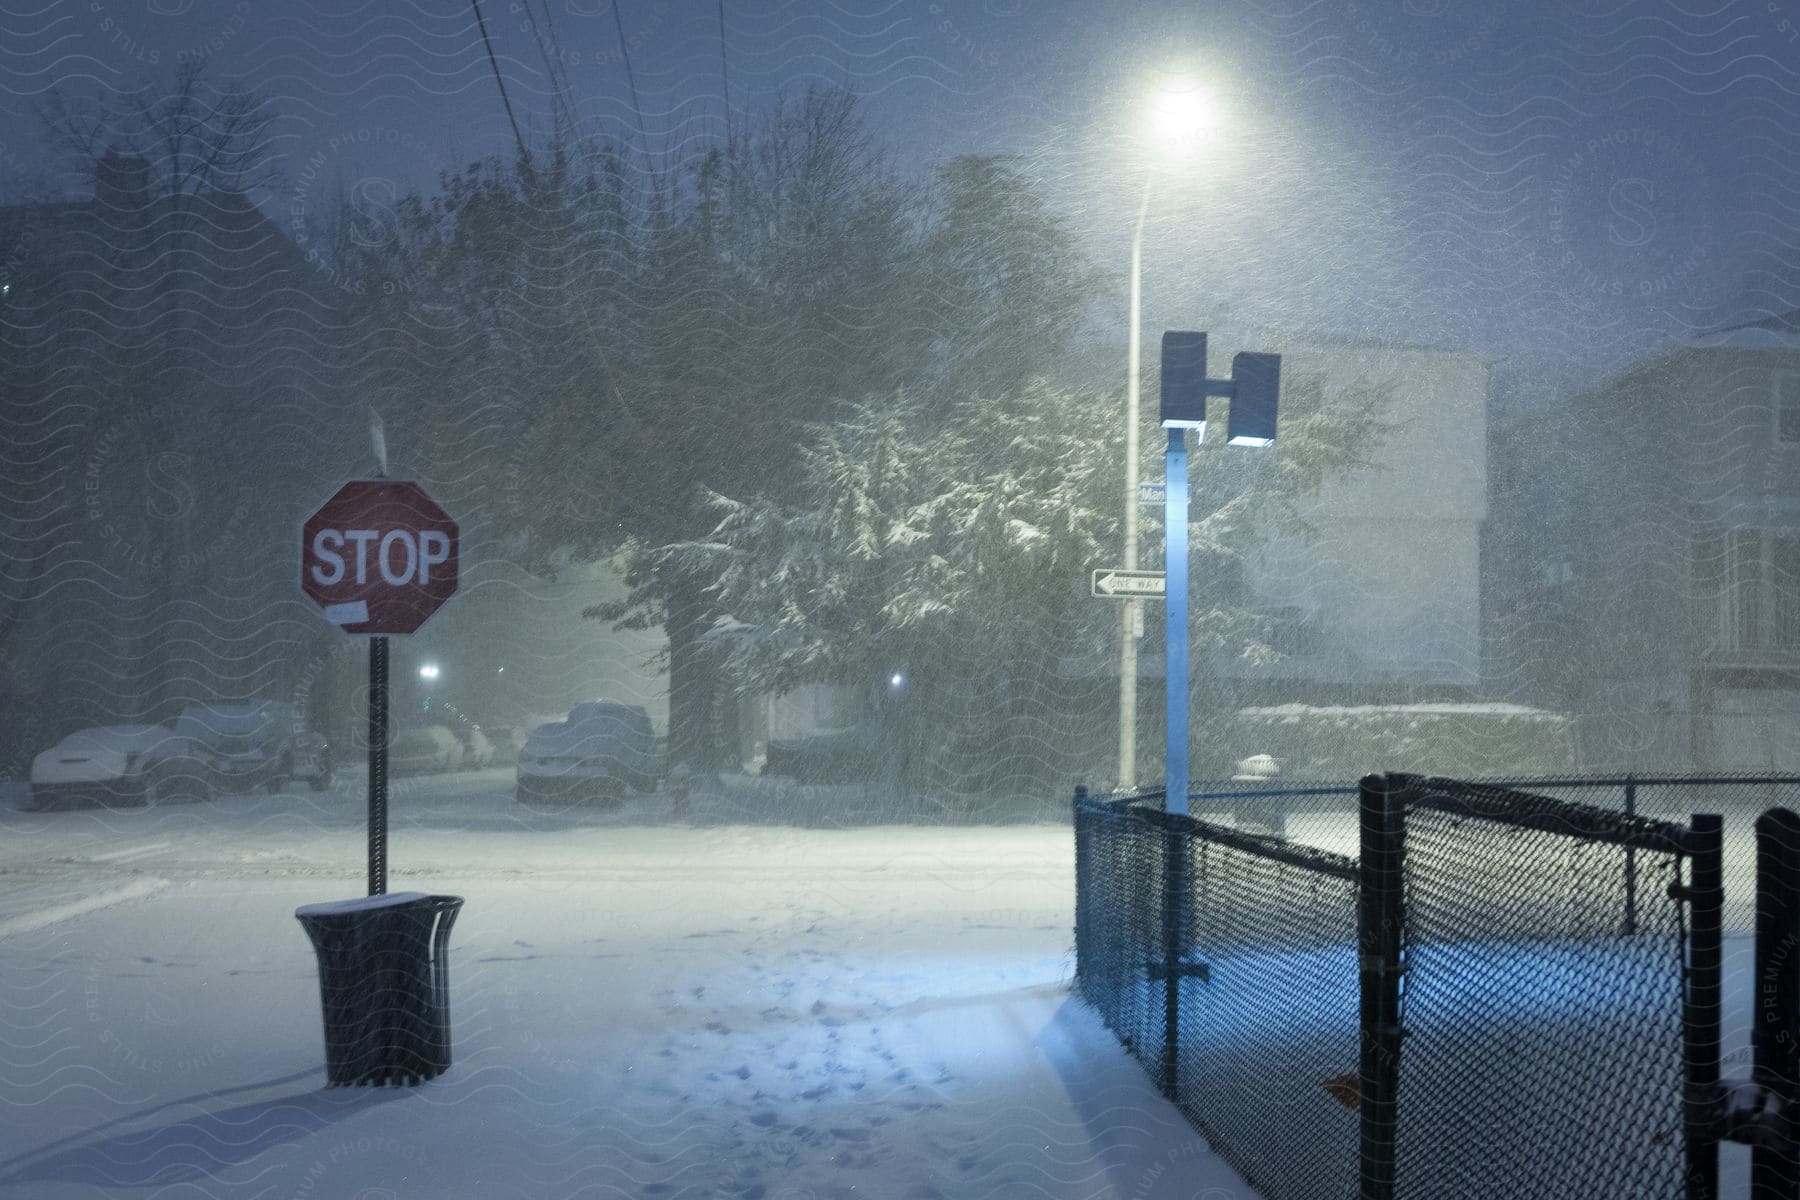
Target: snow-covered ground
<point x="740" y="1002"/>
<point x="642" y="1007"/>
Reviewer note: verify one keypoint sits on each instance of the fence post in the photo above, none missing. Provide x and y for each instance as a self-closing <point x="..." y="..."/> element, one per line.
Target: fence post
<point x="1700" y="1023"/>
<point x="1380" y="913"/>
<point x="1174" y="921"/>
<point x="1082" y="887"/>
<point x="1630" y="860"/>
<point x="1774" y="1171"/>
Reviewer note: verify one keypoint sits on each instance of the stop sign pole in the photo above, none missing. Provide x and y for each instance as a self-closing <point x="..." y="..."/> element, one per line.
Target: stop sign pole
<point x="379" y="558"/>
<point x="378" y="753"/>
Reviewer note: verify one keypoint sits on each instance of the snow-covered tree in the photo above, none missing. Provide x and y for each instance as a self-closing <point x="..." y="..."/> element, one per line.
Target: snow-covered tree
<point x="953" y="556"/>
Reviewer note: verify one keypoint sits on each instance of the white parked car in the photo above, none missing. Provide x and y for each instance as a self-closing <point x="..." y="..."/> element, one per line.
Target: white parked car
<point x="424" y="750"/>
<point x="120" y="766"/>
<point x="600" y="752"/>
<point x="257" y="743"/>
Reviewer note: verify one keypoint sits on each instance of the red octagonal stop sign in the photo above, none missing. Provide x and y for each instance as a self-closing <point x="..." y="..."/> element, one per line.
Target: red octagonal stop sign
<point x="378" y="557"/>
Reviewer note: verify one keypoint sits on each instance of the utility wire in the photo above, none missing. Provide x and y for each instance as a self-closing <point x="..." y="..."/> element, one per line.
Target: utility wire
<point x="631" y="80"/>
<point x="724" y="73"/>
<point x="550" y="47"/>
<point x="518" y="139"/>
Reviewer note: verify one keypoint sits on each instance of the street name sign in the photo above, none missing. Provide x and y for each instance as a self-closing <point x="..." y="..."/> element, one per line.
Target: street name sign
<point x="1152" y="493"/>
<point x="1112" y="584"/>
<point x="379" y="557"/>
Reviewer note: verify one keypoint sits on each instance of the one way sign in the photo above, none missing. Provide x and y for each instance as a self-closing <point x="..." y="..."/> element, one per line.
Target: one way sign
<point x="1126" y="585"/>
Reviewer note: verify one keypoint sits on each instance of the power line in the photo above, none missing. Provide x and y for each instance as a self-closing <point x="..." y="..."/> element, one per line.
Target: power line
<point x="631" y="81"/>
<point x="518" y="139"/>
<point x="724" y="73"/>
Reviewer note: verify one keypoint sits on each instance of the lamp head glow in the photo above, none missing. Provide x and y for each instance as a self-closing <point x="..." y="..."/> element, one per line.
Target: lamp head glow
<point x="428" y="671"/>
<point x="1183" y="117"/>
<point x="896" y="681"/>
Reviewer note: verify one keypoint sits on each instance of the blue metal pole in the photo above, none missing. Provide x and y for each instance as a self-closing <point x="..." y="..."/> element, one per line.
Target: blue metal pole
<point x="1175" y="628"/>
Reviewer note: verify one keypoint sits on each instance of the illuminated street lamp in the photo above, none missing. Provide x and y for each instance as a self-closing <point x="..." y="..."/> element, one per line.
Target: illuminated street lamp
<point x="428" y="672"/>
<point x="1182" y="119"/>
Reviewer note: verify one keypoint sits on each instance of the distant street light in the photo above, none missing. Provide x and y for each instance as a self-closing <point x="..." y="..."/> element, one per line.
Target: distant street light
<point x="1182" y="119"/>
<point x="428" y="671"/>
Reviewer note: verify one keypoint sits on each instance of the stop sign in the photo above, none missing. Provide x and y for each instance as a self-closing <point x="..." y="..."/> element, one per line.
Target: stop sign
<point x="379" y="557"/>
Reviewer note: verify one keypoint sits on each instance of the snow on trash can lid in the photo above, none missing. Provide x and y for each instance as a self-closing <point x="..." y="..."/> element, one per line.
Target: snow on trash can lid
<point x="331" y="908"/>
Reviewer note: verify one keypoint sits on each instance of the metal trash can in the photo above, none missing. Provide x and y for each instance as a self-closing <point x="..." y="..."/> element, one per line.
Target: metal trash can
<point x="384" y="986"/>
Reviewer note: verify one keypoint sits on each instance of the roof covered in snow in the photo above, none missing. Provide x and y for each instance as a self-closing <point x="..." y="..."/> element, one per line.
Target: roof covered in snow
<point x="1289" y="711"/>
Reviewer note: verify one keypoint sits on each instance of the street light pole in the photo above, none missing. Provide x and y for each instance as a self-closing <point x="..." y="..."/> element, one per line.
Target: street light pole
<point x="1129" y="611"/>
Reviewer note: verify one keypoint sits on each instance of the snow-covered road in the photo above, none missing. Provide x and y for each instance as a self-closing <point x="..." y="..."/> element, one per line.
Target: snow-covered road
<point x="642" y="1007"/>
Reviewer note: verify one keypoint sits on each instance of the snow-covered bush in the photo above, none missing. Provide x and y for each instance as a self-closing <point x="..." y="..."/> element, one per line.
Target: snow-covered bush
<point x="1466" y="740"/>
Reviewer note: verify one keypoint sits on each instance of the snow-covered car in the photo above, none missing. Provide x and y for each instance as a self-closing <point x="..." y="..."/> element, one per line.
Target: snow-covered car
<point x="829" y="756"/>
<point x="478" y="749"/>
<point x="424" y="750"/>
<point x="520" y="733"/>
<point x="261" y="743"/>
<point x="600" y="752"/>
<point x="119" y="766"/>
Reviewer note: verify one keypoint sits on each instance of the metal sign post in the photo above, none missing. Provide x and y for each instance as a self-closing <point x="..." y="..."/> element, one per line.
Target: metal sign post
<point x="1175" y="622"/>
<point x="378" y="748"/>
<point x="1253" y="388"/>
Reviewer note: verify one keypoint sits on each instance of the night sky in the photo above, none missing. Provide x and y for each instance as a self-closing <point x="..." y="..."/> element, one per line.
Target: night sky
<point x="1560" y="184"/>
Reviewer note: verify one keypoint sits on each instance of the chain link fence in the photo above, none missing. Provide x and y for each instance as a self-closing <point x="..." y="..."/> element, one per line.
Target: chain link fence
<point x="1739" y="799"/>
<point x="1249" y="961"/>
<point x="1541" y="999"/>
<point x="1119" y="861"/>
<point x="1488" y="998"/>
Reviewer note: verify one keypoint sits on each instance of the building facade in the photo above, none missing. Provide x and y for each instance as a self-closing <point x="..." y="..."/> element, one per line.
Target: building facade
<point x="1653" y="549"/>
<point x="1374" y="595"/>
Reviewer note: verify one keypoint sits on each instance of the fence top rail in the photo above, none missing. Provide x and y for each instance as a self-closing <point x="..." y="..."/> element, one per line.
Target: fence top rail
<point x="1273" y="792"/>
<point x="1215" y="792"/>
<point x="1550" y="814"/>
<point x="1618" y="781"/>
<point x="1218" y="789"/>
<point x="1277" y="849"/>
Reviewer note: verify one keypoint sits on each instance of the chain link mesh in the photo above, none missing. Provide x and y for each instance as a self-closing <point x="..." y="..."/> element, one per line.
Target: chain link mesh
<point x="1542" y="996"/>
<point x="1267" y="987"/>
<point x="1119" y="865"/>
<point x="1542" y="1000"/>
<point x="1273" y="1020"/>
<point x="1739" y="799"/>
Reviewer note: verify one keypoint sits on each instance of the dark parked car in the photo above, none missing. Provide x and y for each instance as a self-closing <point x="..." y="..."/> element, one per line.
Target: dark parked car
<point x="835" y="756"/>
<point x="602" y="750"/>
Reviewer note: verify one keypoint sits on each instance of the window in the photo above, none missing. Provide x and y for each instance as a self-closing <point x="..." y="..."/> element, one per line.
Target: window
<point x="1761" y="601"/>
